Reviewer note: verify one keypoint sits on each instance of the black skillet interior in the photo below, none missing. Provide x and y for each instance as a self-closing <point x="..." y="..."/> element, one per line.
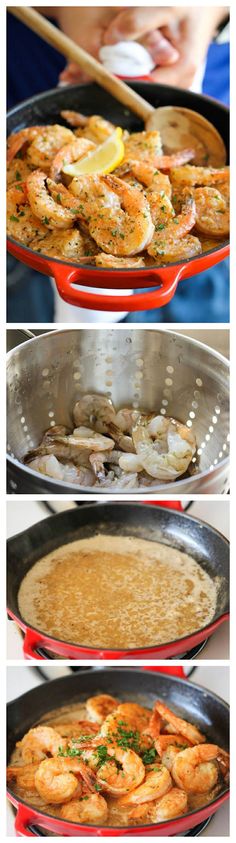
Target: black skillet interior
<point x="90" y="99"/>
<point x="193" y="703"/>
<point x="207" y="546"/>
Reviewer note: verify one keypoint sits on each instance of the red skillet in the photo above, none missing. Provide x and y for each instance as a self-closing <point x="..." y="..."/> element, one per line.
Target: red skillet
<point x="161" y="282"/>
<point x="206" y="545"/>
<point x="207" y="711"/>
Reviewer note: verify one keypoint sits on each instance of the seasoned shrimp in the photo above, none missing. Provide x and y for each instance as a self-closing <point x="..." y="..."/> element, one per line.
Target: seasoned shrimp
<point x="167" y="236"/>
<point x="111" y="262"/>
<point x="195" y="769"/>
<point x="143" y="146"/>
<point x="17" y="140"/>
<point x="132" y="715"/>
<point x="129" y="774"/>
<point x="182" y="726"/>
<point x="17" y="171"/>
<point x="59" y="779"/>
<point x="22" y="225"/>
<point x="191" y="175"/>
<point x="174" y="803"/>
<point x="49" y="212"/>
<point x="156" y="784"/>
<point x="152" y="178"/>
<point x="91" y="808"/>
<point x="100" y="706"/>
<point x="25" y="776"/>
<point x="40" y="742"/>
<point x="212" y="212"/>
<point x="68" y="154"/>
<point x="46" y="144"/>
<point x="171" y="452"/>
<point x="96" y="128"/>
<point x="69" y="245"/>
<point x="75" y="728"/>
<point x="118" y="215"/>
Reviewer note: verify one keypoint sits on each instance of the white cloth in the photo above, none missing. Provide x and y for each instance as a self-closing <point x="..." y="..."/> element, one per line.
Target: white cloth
<point x="127" y="58"/>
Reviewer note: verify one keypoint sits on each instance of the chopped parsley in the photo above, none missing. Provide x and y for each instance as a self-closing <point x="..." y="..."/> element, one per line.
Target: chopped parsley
<point x="149" y="755"/>
<point x="19" y="187"/>
<point x="13" y="218"/>
<point x="17" y="175"/>
<point x="45" y="220"/>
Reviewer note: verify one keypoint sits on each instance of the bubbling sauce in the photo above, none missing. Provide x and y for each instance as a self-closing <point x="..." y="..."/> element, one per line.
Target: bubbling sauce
<point x="117" y="591"/>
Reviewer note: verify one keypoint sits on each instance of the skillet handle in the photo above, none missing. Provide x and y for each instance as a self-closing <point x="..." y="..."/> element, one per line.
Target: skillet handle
<point x="23" y="819"/>
<point x="65" y="280"/>
<point x="30" y="644"/>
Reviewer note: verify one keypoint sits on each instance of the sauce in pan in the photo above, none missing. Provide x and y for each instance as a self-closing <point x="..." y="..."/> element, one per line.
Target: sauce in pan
<point x="111" y="591"/>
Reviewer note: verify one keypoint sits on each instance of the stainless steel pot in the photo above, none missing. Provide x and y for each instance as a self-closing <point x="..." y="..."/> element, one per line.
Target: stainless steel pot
<point x="155" y="369"/>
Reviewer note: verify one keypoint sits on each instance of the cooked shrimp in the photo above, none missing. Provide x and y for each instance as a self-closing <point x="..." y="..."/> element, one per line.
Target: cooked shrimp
<point x="91" y="808"/>
<point x="212" y="212"/>
<point x="156" y="784"/>
<point x="46" y="144"/>
<point x="49" y="212"/>
<point x="120" y="780"/>
<point x="170" y="456"/>
<point x="152" y="178"/>
<point x="17" y="172"/>
<point x="111" y="262"/>
<point x="118" y="215"/>
<point x="25" y="776"/>
<point x="59" y="779"/>
<point x="19" y="139"/>
<point x="100" y="706"/>
<point x="96" y="128"/>
<point x="69" y="153"/>
<point x="168" y="235"/>
<point x="75" y="728"/>
<point x="144" y="146"/>
<point x="191" y="175"/>
<point x="62" y="244"/>
<point x="132" y="715"/>
<point x="195" y="769"/>
<point x="182" y="726"/>
<point x="171" y="805"/>
<point x="74" y="118"/>
<point x="154" y="726"/>
<point x="22" y="225"/>
<point x="39" y="742"/>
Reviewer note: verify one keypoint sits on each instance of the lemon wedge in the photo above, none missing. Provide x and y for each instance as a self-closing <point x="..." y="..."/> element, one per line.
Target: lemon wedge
<point x="104" y="159"/>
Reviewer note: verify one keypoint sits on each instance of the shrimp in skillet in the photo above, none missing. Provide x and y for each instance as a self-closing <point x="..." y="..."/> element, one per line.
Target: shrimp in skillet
<point x="119" y="780"/>
<point x="181" y="726"/>
<point x="59" y="779"/>
<point x="190" y="176"/>
<point x="91" y="808"/>
<point x="40" y="742"/>
<point x="69" y="153"/>
<point x="118" y="215"/>
<point x="171" y="240"/>
<point x="100" y="706"/>
<point x="212" y="212"/>
<point x="17" y="140"/>
<point x="48" y="211"/>
<point x="46" y="144"/>
<point x="25" y="775"/>
<point x="173" y="804"/>
<point x="157" y="783"/>
<point x="22" y="225"/>
<point x="195" y="769"/>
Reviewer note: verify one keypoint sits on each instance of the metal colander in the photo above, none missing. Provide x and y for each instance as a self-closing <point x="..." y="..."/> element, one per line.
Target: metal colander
<point x="158" y="370"/>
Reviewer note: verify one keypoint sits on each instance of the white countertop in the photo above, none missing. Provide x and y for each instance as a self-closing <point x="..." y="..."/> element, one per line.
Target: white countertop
<point x="21" y="679"/>
<point x="22" y="514"/>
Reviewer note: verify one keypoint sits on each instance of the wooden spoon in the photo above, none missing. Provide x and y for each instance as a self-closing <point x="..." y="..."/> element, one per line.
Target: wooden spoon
<point x="180" y="127"/>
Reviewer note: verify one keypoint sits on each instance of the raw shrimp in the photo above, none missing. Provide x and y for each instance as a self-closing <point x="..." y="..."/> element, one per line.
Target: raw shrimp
<point x="126" y="418"/>
<point x="22" y="225"/>
<point x="182" y="727"/>
<point x="91" y="808"/>
<point x="194" y="769"/>
<point x="39" y="742"/>
<point x="156" y="784"/>
<point x="25" y="776"/>
<point x="168" y="236"/>
<point x="50" y="213"/>
<point x="130" y="773"/>
<point x="111" y="262"/>
<point x="46" y="144"/>
<point x="130" y="462"/>
<point x="18" y="139"/>
<point x="68" y="154"/>
<point x="118" y="215"/>
<point x="212" y="212"/>
<point x="56" y="779"/>
<point x="100" y="706"/>
<point x="96" y="410"/>
<point x="191" y="175"/>
<point x="97" y="461"/>
<point x="170" y="456"/>
<point x="174" y="803"/>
